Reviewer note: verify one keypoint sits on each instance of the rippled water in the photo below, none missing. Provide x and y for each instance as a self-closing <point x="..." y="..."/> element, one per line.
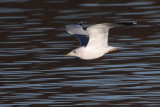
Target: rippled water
<point x="35" y="73"/>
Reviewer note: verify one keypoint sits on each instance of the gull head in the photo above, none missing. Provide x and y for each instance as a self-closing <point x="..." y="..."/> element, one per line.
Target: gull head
<point x="76" y="52"/>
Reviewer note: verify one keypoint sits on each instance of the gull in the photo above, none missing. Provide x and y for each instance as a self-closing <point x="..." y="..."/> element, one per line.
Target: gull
<point x="93" y="41"/>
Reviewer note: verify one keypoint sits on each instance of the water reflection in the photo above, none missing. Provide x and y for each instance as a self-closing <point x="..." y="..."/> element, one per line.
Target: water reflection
<point x="35" y="72"/>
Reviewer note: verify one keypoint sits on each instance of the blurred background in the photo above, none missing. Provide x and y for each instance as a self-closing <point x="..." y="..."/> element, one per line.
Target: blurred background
<point x="35" y="73"/>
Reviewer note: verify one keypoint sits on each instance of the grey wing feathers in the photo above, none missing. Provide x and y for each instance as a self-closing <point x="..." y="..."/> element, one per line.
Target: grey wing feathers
<point x="75" y="29"/>
<point x="104" y="26"/>
<point x="95" y="34"/>
<point x="79" y="33"/>
<point x="98" y="34"/>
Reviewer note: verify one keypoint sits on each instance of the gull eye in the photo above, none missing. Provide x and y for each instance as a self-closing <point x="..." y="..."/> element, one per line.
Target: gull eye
<point x="74" y="51"/>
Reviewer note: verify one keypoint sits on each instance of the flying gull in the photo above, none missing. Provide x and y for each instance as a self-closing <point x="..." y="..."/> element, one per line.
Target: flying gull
<point x="93" y="41"/>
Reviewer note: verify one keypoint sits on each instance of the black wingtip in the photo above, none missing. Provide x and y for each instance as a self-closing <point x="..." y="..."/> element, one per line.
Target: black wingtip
<point x="80" y="23"/>
<point x="128" y="23"/>
<point x="77" y="23"/>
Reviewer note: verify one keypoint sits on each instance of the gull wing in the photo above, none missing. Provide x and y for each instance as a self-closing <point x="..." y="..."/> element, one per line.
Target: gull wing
<point x="79" y="33"/>
<point x="98" y="35"/>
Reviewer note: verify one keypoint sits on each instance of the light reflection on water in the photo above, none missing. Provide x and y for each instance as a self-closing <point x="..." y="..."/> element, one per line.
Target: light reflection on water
<point x="34" y="70"/>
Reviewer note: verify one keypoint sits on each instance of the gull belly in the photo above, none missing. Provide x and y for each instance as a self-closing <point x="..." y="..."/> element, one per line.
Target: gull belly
<point x="92" y="53"/>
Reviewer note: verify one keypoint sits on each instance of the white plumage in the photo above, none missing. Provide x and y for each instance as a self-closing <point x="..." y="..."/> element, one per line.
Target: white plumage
<point x="93" y="41"/>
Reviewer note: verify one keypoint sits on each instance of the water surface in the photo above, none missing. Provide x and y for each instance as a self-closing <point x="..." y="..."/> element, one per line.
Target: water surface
<point x="34" y="71"/>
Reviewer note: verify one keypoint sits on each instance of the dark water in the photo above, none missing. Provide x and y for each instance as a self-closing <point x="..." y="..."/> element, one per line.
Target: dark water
<point x="33" y="42"/>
